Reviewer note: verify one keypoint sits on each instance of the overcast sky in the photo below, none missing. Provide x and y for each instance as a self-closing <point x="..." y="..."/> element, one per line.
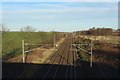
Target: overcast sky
<point x="60" y="16"/>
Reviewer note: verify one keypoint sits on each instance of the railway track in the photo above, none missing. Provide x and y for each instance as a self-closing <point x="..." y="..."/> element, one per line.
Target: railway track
<point x="64" y="56"/>
<point x="60" y="59"/>
<point x="62" y="64"/>
<point x="67" y="55"/>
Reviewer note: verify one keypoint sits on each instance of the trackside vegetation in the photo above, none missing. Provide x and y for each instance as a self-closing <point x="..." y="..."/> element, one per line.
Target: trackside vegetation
<point x="11" y="41"/>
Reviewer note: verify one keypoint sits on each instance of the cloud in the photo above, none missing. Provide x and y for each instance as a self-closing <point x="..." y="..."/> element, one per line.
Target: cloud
<point x="62" y="10"/>
<point x="92" y="0"/>
<point x="50" y="5"/>
<point x="63" y="14"/>
<point x="60" y="0"/>
<point x="44" y="8"/>
<point x="71" y="13"/>
<point x="43" y="17"/>
<point x="47" y="11"/>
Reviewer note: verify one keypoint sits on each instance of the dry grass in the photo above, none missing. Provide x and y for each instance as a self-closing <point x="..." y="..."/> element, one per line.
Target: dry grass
<point x="109" y="39"/>
<point x="39" y="55"/>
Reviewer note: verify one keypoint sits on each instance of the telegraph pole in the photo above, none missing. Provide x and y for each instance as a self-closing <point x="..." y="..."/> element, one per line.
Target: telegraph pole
<point x="54" y="39"/>
<point x="91" y="55"/>
<point x="23" y="52"/>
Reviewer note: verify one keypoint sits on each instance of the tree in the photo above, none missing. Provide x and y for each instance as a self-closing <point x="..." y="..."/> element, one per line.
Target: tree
<point x="27" y="29"/>
<point x="3" y="28"/>
<point x="27" y="32"/>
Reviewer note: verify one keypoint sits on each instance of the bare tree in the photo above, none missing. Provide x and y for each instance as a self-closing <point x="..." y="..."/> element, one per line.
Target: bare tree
<point x="27" y="29"/>
<point x="3" y="28"/>
<point x="27" y="33"/>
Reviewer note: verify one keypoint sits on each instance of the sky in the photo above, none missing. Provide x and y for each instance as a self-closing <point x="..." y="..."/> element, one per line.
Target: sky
<point x="60" y="0"/>
<point x="60" y="16"/>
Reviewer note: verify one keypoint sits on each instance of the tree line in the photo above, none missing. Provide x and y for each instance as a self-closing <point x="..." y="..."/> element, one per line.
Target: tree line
<point x="100" y="32"/>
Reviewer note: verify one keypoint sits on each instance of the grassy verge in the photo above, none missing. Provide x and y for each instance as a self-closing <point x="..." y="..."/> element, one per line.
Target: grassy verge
<point x="12" y="45"/>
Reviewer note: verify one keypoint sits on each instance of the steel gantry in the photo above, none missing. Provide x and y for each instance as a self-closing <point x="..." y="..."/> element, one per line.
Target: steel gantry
<point x="90" y="52"/>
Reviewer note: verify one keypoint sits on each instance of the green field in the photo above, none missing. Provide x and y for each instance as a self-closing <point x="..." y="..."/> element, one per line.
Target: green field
<point x="12" y="41"/>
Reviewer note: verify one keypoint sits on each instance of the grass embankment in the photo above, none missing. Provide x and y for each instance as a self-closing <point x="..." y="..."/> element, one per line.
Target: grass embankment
<point x="12" y="41"/>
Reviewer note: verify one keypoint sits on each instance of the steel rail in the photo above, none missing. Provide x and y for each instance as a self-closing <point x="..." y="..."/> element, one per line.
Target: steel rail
<point x="71" y="68"/>
<point x="67" y="63"/>
<point x="73" y="54"/>
<point x="57" y="54"/>
<point x="61" y="60"/>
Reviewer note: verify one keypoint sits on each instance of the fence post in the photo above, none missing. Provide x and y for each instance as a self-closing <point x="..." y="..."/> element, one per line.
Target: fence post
<point x="23" y="52"/>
